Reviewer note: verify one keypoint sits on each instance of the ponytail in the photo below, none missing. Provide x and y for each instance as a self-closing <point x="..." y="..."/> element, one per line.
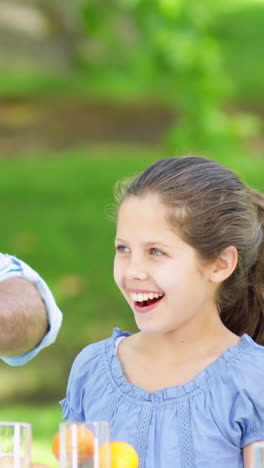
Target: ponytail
<point x="258" y="275"/>
<point x="245" y="314"/>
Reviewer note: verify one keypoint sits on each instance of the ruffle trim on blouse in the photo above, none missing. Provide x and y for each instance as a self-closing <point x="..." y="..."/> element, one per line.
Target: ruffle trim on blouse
<point x="68" y="412"/>
<point x="164" y="396"/>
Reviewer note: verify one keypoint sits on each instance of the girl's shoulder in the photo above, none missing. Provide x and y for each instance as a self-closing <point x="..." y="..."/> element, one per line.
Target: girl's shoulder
<point x="97" y="352"/>
<point x="89" y="375"/>
<point x="239" y="374"/>
<point x="241" y="367"/>
<point x="240" y="391"/>
<point x="248" y="358"/>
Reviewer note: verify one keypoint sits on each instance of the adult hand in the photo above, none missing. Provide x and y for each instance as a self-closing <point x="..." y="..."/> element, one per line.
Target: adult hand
<point x="23" y="316"/>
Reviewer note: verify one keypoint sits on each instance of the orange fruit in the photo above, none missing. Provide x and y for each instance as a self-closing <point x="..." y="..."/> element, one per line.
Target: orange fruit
<point x="56" y="445"/>
<point x="85" y="444"/>
<point x="122" y="455"/>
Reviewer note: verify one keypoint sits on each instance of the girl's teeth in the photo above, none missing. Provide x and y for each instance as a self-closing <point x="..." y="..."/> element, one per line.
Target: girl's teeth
<point x="140" y="297"/>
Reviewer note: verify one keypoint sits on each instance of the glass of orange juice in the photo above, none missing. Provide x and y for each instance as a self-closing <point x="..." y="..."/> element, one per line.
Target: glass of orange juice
<point x="85" y="444"/>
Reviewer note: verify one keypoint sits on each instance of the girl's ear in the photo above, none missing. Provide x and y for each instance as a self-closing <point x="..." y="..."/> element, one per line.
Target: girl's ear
<point x="224" y="265"/>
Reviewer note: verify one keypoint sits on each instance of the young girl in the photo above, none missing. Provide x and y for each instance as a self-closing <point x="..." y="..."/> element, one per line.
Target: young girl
<point x="187" y="390"/>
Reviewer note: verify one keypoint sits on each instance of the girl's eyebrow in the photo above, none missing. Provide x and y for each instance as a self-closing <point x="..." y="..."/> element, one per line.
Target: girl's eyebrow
<point x="117" y="239"/>
<point x="154" y="242"/>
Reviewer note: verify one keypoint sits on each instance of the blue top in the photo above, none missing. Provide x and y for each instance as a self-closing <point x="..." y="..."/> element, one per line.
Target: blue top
<point x="201" y="424"/>
<point x="11" y="267"/>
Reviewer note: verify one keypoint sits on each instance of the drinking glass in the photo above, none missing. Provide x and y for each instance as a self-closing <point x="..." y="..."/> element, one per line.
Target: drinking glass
<point x="15" y="444"/>
<point x="258" y="455"/>
<point x="85" y="444"/>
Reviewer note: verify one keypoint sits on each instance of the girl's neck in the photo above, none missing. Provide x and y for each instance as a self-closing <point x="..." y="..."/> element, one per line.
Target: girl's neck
<point x="211" y="338"/>
<point x="156" y="361"/>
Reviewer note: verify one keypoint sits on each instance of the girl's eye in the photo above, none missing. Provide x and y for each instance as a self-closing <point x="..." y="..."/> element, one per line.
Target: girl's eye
<point x="157" y="252"/>
<point x="121" y="248"/>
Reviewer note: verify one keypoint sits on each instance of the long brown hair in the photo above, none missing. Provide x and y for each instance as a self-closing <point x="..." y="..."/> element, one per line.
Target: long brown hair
<point x="211" y="208"/>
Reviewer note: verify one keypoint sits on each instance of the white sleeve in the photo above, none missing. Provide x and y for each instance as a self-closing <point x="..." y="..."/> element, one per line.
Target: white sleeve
<point x="11" y="267"/>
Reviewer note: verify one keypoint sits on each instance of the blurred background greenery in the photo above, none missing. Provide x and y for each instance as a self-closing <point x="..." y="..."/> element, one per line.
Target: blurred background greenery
<point x="91" y="92"/>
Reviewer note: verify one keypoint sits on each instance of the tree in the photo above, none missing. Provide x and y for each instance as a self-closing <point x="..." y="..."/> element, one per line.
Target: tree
<point x="172" y="45"/>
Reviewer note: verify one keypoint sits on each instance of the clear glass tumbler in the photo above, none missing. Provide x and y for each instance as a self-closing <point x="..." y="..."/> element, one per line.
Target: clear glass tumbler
<point x="84" y="444"/>
<point x="15" y="444"/>
<point x="258" y="455"/>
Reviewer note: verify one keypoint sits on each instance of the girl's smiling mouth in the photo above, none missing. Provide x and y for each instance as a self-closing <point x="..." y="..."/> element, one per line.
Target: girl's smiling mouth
<point x="146" y="301"/>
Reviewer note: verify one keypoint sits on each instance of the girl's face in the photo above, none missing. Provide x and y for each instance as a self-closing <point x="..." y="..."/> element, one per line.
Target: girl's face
<point x="159" y="275"/>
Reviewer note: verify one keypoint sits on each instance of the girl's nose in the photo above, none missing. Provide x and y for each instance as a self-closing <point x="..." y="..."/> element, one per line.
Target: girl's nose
<point x="136" y="270"/>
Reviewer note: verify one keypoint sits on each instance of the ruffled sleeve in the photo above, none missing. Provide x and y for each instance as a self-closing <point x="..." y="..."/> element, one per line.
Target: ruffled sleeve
<point x="85" y="372"/>
<point x="248" y="402"/>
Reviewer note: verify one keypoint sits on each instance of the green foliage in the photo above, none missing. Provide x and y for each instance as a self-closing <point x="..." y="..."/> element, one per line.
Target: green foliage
<point x="174" y="44"/>
<point x="117" y="61"/>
